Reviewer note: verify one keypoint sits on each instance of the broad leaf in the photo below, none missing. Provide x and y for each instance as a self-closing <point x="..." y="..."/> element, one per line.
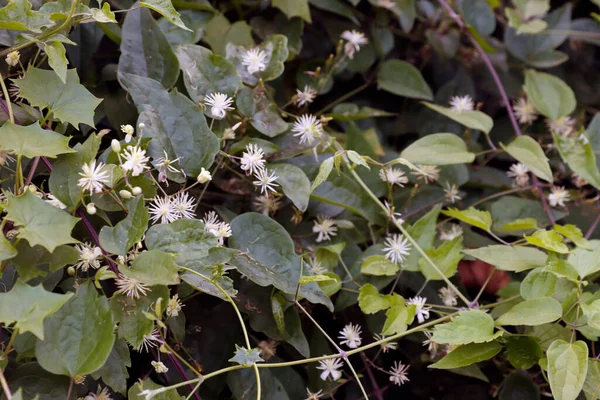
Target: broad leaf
<point x="567" y="368"/>
<point x="370" y="301"/>
<point x="379" y="265"/>
<point x="574" y="234"/>
<point x="586" y="262"/>
<point x="324" y="170"/>
<point x="591" y="386"/>
<point x="445" y="257"/>
<point x="523" y="352"/>
<point x="7" y="250"/>
<point x="120" y="238"/>
<point x="529" y="152"/>
<point x="538" y="284"/>
<point x="246" y="357"/>
<point x="294" y="183"/>
<point x="472" y="216"/>
<point x="471" y="326"/>
<point x="578" y="153"/>
<point x="467" y="355"/>
<point x="541" y="310"/>
<point x="510" y="258"/>
<point x="32" y="141"/>
<point x="185" y="238"/>
<point x="480" y="15"/>
<point x="404" y="79"/>
<point x="438" y="149"/>
<point x="114" y="371"/>
<point x="166" y="9"/>
<point x="262" y="112"/>
<point x="294" y="8"/>
<point x="17" y="15"/>
<point x="424" y="233"/>
<point x="57" y="59"/>
<point x="549" y="240"/>
<point x="153" y="267"/>
<point x="550" y="95"/>
<point x="471" y="119"/>
<point x="397" y="318"/>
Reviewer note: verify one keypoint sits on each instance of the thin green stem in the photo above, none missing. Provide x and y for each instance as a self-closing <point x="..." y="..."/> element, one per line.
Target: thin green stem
<point x="187" y="364"/>
<point x="10" y="344"/>
<point x="343" y="97"/>
<point x="7" y="99"/>
<point x="19" y="175"/>
<point x="4" y="384"/>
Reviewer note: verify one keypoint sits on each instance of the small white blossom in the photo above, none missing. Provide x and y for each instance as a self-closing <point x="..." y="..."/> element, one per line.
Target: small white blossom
<point x="266" y="204"/>
<point x="330" y="367"/>
<point x="219" y="104"/>
<point x="151" y="341"/>
<point x="204" y="176"/>
<point x="229" y="133"/>
<point x="164" y="165"/>
<point x="399" y="374"/>
<point x="128" y="131"/>
<point x="525" y="111"/>
<point x="558" y="196"/>
<point x="5" y="158"/>
<point x="162" y="209"/>
<point x="101" y="394"/>
<point x="427" y="173"/>
<point x="12" y="59"/>
<point x="255" y="60"/>
<point x="351" y="336"/>
<point x="316" y="267"/>
<point x="325" y="227"/>
<point x="305" y="96"/>
<point x="386" y="346"/>
<point x="265" y="181"/>
<point x="184" y="205"/>
<point x="520" y="174"/>
<point x="461" y="104"/>
<point x="252" y="159"/>
<point x="211" y="222"/>
<point x="313" y="396"/>
<point x="93" y="177"/>
<point x="307" y="127"/>
<point x="174" y="306"/>
<point x="432" y="346"/>
<point x="159" y="367"/>
<point x="451" y="193"/>
<point x="397" y="248"/>
<point x="135" y="160"/>
<point x="391" y="214"/>
<point x="355" y="39"/>
<point x="131" y="287"/>
<point x="220" y="230"/>
<point x="452" y="233"/>
<point x="562" y="126"/>
<point x="421" y="311"/>
<point x="393" y="176"/>
<point x="50" y="199"/>
<point x="448" y="296"/>
<point x="88" y="256"/>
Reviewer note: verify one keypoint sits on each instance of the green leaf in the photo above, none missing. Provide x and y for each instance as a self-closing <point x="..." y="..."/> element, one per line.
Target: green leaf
<point x="472" y="216"/>
<point x="480" y="15"/>
<point x="219" y="33"/>
<point x="470" y="119"/>
<point x="357" y="159"/>
<point x="120" y="238"/>
<point x="591" y="386"/>
<point x="550" y="95"/>
<point x="166" y="9"/>
<point x="39" y="222"/>
<point x="397" y="318"/>
<point x="153" y="267"/>
<point x="445" y="257"/>
<point x="472" y="326"/>
<point x="32" y="141"/>
<point x="294" y="183"/>
<point x="36" y="261"/>
<point x="520" y="224"/>
<point x="510" y="258"/>
<point x="269" y="256"/>
<point x="145" y="50"/>
<point x="103" y="15"/>
<point x="205" y="73"/>
<point x="294" y="8"/>
<point x="263" y="113"/>
<point x="529" y="152"/>
<point x="324" y="170"/>
<point x="28" y="306"/>
<point x="423" y="232"/>
<point x="379" y="265"/>
<point x="57" y="59"/>
<point x="185" y="238"/>
<point x="7" y="251"/>
<point x="79" y="337"/>
<point x="468" y="354"/>
<point x="370" y="301"/>
<point x="523" y="351"/>
<point x="17" y="15"/>
<point x="403" y="79"/>
<point x="174" y="124"/>
<point x="538" y="283"/>
<point x="549" y="240"/>
<point x="438" y="149"/>
<point x="561" y="268"/>
<point x="114" y="371"/>
<point x="578" y="153"/>
<point x="538" y="311"/>
<point x="265" y="145"/>
<point x="567" y="368"/>
<point x="586" y="262"/>
<point x="246" y="357"/>
<point x="69" y="102"/>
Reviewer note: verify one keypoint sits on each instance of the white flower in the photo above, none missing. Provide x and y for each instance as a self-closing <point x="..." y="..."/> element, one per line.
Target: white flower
<point x="525" y="111"/>
<point x="88" y="256"/>
<point x="325" y="227"/>
<point x="159" y="367"/>
<point x="316" y="267"/>
<point x="211" y="222"/>
<point x="451" y="192"/>
<point x="162" y="208"/>
<point x="5" y="158"/>
<point x="562" y="126"/>
<point x="452" y="233"/>
<point x="219" y="104"/>
<point x="131" y="287"/>
<point x="174" y="306"/>
<point x="305" y="96"/>
<point x="307" y="127"/>
<point x="448" y="296"/>
<point x="461" y="104"/>
<point x="397" y="248"/>
<point x="398" y="374"/>
<point x="93" y="177"/>
<point x="164" y="165"/>
<point x="265" y="181"/>
<point x="432" y="346"/>
<point x="128" y="131"/>
<point x="135" y="160"/>
<point x="266" y="204"/>
<point x="421" y="311"/>
<point x="355" y="40"/>
<point x="229" y="133"/>
<point x="351" y="336"/>
<point x="385" y="346"/>
<point x="558" y="196"/>
<point x="12" y="59"/>
<point x="99" y="395"/>
<point x="50" y="199"/>
<point x="204" y="176"/>
<point x="184" y="205"/>
<point x="393" y="176"/>
<point x="223" y="231"/>
<point x="252" y="159"/>
<point x="330" y="367"/>
<point x="313" y="396"/>
<point x="391" y="214"/>
<point x="254" y="60"/>
<point x="520" y="174"/>
<point x="427" y="173"/>
<point x="150" y="341"/>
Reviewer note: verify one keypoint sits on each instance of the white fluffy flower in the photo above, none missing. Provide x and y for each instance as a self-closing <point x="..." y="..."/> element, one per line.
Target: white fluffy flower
<point x="88" y="256"/>
<point x="164" y="165"/>
<point x="52" y="200"/>
<point x="128" y="131"/>
<point x="313" y="396"/>
<point x="223" y="231"/>
<point x="562" y="126"/>
<point x="452" y="233"/>
<point x="390" y="212"/>
<point x="162" y="209"/>
<point x="461" y="104"/>
<point x="307" y="127"/>
<point x="135" y="160"/>
<point x="355" y="39"/>
<point x="330" y="367"/>
<point x="265" y="181"/>
<point x="385" y="346"/>
<point x="398" y="374"/>
<point x="305" y="96"/>
<point x="255" y="60"/>
<point x="219" y="104"/>
<point x="325" y="227"/>
<point x="211" y="221"/>
<point x="558" y="196"/>
<point x="427" y="173"/>
<point x="421" y="311"/>
<point x="252" y="159"/>
<point x="525" y="111"/>
<point x="12" y="59"/>
<point x="159" y="367"/>
<point x="93" y="177"/>
<point x="174" y="306"/>
<point x="397" y="248"/>
<point x="393" y="176"/>
<point x="448" y="296"/>
<point x="131" y="287"/>
<point x="266" y="204"/>
<point x="520" y="174"/>
<point x="451" y="193"/>
<point x="150" y="341"/>
<point x="351" y="336"/>
<point x="184" y="205"/>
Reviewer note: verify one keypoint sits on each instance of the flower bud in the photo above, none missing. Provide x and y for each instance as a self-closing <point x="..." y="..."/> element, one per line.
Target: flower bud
<point x="142" y="125"/>
<point x="116" y="146"/>
<point x="204" y="176"/>
<point x="136" y="191"/>
<point x="126" y="194"/>
<point x="91" y="209"/>
<point x="71" y="271"/>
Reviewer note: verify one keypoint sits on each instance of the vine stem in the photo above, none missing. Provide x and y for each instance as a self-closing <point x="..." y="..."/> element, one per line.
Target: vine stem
<point x="7" y="98"/>
<point x="5" y="385"/>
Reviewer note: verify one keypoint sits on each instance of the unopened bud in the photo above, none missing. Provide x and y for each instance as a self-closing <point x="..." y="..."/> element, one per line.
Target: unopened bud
<point x="126" y="194"/>
<point x="116" y="146"/>
<point x="71" y="271"/>
<point x="136" y="191"/>
<point x="141" y="125"/>
<point x="91" y="209"/>
<point x="204" y="176"/>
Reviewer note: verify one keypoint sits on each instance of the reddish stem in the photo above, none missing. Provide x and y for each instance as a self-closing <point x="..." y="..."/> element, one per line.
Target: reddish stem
<point x="181" y="371"/>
